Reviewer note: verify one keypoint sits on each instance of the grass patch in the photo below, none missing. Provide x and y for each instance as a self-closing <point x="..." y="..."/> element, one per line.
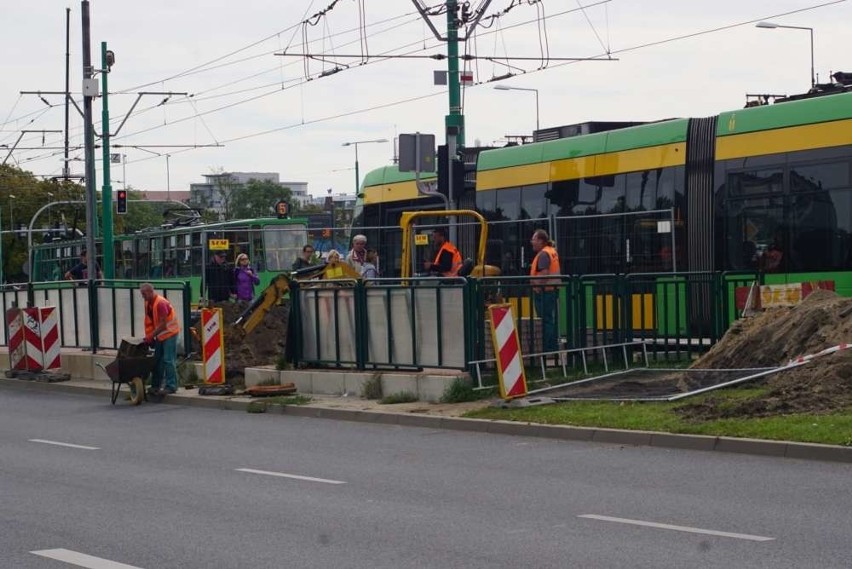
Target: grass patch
<point x="372" y="387"/>
<point x="835" y="429"/>
<point x="401" y="397"/>
<point x="257" y="407"/>
<point x="461" y="391"/>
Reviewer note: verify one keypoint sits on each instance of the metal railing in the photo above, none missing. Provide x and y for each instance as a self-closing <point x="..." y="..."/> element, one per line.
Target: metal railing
<point x="115" y="306"/>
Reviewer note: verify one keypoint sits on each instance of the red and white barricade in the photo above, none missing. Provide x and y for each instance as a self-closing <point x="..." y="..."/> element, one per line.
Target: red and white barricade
<point x="507" y="348"/>
<point x="17" y="349"/>
<point x="213" y="345"/>
<point x="50" y="343"/>
<point x="33" y="339"/>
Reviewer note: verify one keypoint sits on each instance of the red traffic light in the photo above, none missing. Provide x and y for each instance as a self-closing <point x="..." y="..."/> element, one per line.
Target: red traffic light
<point x="121" y="201"/>
<point x="282" y="209"/>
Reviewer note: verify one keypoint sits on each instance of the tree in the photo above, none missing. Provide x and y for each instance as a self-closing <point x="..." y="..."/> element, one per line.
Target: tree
<point x="140" y="215"/>
<point x="257" y="198"/>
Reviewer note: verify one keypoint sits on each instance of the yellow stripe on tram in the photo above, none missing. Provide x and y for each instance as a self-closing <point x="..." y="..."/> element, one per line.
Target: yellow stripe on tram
<point x="791" y="139"/>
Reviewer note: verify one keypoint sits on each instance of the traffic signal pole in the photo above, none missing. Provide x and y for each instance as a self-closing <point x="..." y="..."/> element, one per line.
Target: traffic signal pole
<point x="454" y="121"/>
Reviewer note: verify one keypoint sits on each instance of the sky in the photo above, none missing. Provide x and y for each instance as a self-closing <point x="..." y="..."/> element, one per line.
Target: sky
<point x="249" y="110"/>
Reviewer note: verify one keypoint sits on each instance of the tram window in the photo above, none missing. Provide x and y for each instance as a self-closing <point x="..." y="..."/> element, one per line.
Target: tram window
<point x="508" y="205"/>
<point x="819" y="230"/>
<point x="533" y="202"/>
<point x="282" y="245"/>
<point x="155" y="257"/>
<point x="486" y="203"/>
<point x="257" y="254"/>
<point x="195" y="253"/>
<point x="815" y="177"/>
<point x="755" y="182"/>
<point x="754" y="228"/>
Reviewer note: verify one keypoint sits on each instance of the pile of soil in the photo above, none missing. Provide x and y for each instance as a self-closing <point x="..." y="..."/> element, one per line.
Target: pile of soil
<point x="264" y="345"/>
<point x="773" y="338"/>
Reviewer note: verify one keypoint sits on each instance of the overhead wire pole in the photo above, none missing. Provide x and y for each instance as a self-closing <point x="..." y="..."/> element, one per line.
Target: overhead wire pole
<point x="106" y="191"/>
<point x="90" y="87"/>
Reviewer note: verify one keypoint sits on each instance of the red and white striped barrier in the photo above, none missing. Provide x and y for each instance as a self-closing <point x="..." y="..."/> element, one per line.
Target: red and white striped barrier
<point x="507" y="347"/>
<point x="50" y="344"/>
<point x="825" y="352"/>
<point x="33" y="356"/>
<point x="17" y="350"/>
<point x="213" y="345"/>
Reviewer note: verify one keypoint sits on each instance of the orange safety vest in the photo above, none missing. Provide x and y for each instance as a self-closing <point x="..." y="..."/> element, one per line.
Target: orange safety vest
<point x="457" y="259"/>
<point x="553" y="269"/>
<point x="152" y="319"/>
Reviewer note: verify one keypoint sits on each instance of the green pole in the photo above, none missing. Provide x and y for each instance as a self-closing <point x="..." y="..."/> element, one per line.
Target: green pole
<point x="106" y="194"/>
<point x="454" y="120"/>
<point x="2" y="263"/>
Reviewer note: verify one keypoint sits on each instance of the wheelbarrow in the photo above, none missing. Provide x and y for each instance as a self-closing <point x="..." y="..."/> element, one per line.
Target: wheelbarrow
<point x="134" y="364"/>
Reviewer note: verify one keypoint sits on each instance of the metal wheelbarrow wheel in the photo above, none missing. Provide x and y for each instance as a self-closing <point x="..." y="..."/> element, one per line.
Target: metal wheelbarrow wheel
<point x="137" y="390"/>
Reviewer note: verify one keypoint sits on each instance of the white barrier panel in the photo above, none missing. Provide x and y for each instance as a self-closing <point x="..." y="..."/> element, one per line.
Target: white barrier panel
<point x="421" y="348"/>
<point x="334" y="314"/>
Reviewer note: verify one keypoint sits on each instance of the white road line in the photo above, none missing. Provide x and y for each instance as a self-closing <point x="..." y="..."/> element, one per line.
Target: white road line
<point x="57" y="443"/>
<point x="293" y="476"/>
<point x="81" y="559"/>
<point x="678" y="528"/>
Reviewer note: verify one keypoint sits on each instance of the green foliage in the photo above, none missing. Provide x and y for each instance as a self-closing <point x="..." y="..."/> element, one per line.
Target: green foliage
<point x="187" y="374"/>
<point x="401" y="397"/>
<point x="257" y="198"/>
<point x="289" y="400"/>
<point x="140" y="214"/>
<point x="459" y="391"/>
<point x="257" y="407"/>
<point x="372" y="387"/>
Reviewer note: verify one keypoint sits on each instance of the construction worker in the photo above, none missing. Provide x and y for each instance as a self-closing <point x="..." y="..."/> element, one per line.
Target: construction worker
<point x="161" y="331"/>
<point x="447" y="260"/>
<point x="545" y="291"/>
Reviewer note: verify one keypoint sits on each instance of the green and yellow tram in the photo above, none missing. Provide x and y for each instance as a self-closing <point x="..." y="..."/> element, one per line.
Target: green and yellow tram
<point x="180" y="252"/>
<point x="683" y="195"/>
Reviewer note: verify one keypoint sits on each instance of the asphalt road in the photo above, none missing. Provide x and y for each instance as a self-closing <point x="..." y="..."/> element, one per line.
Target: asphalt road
<point x="162" y="486"/>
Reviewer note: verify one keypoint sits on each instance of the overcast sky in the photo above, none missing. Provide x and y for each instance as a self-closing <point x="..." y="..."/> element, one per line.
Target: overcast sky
<point x="276" y="114"/>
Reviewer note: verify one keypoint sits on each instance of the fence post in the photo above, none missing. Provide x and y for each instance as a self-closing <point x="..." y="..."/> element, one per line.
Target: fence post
<point x="362" y="326"/>
<point x="187" y="314"/>
<point x="294" y="327"/>
<point x="93" y="315"/>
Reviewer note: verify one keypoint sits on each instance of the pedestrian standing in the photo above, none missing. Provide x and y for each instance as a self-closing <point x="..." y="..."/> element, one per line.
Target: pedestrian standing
<point x="545" y="290"/>
<point x="448" y="260"/>
<point x="357" y="256"/>
<point x="245" y="278"/>
<point x="218" y="278"/>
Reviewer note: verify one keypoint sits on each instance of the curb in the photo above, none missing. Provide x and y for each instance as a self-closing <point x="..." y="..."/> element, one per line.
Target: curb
<point x="755" y="447"/>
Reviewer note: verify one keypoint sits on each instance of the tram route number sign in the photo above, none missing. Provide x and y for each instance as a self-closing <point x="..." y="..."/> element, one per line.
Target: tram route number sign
<point x="421" y="239"/>
<point x="218" y="244"/>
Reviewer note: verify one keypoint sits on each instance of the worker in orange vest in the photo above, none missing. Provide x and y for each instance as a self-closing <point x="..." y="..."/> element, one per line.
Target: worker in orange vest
<point x="161" y="331"/>
<point x="545" y="291"/>
<point x="447" y="260"/>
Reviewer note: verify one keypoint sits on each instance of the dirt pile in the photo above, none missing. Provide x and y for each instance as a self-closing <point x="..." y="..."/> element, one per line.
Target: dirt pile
<point x="773" y="338"/>
<point x="262" y="346"/>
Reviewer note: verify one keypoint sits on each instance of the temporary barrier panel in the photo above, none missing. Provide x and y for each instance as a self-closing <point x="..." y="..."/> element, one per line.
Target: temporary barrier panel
<point x="17" y="349"/>
<point x="510" y="366"/>
<point x="32" y="339"/>
<point x="50" y="344"/>
<point x="212" y="345"/>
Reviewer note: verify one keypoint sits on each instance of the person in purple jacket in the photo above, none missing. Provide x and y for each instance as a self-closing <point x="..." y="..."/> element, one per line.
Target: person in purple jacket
<point x="245" y="278"/>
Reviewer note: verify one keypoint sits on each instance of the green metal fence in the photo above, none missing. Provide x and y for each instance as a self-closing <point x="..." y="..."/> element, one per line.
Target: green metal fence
<point x="115" y="306"/>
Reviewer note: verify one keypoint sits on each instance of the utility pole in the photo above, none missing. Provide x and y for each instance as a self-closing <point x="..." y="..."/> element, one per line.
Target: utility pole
<point x="107" y="59"/>
<point x="66" y="171"/>
<point x="90" y="88"/>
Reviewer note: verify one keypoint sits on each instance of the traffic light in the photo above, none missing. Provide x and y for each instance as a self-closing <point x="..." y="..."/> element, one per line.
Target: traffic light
<point x="121" y="201"/>
<point x="282" y="209"/>
<point x="444" y="167"/>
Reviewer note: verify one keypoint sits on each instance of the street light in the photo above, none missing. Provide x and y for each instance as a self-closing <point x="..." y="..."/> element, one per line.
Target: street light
<point x="508" y="88"/>
<point x="355" y="143"/>
<point x="772" y="26"/>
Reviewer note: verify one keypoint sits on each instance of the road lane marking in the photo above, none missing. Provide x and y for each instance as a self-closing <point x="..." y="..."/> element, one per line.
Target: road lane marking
<point x="677" y="528"/>
<point x="81" y="559"/>
<point x="59" y="444"/>
<point x="293" y="476"/>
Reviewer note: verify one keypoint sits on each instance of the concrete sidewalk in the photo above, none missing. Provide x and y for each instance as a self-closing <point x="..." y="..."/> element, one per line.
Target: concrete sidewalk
<point x="446" y="416"/>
